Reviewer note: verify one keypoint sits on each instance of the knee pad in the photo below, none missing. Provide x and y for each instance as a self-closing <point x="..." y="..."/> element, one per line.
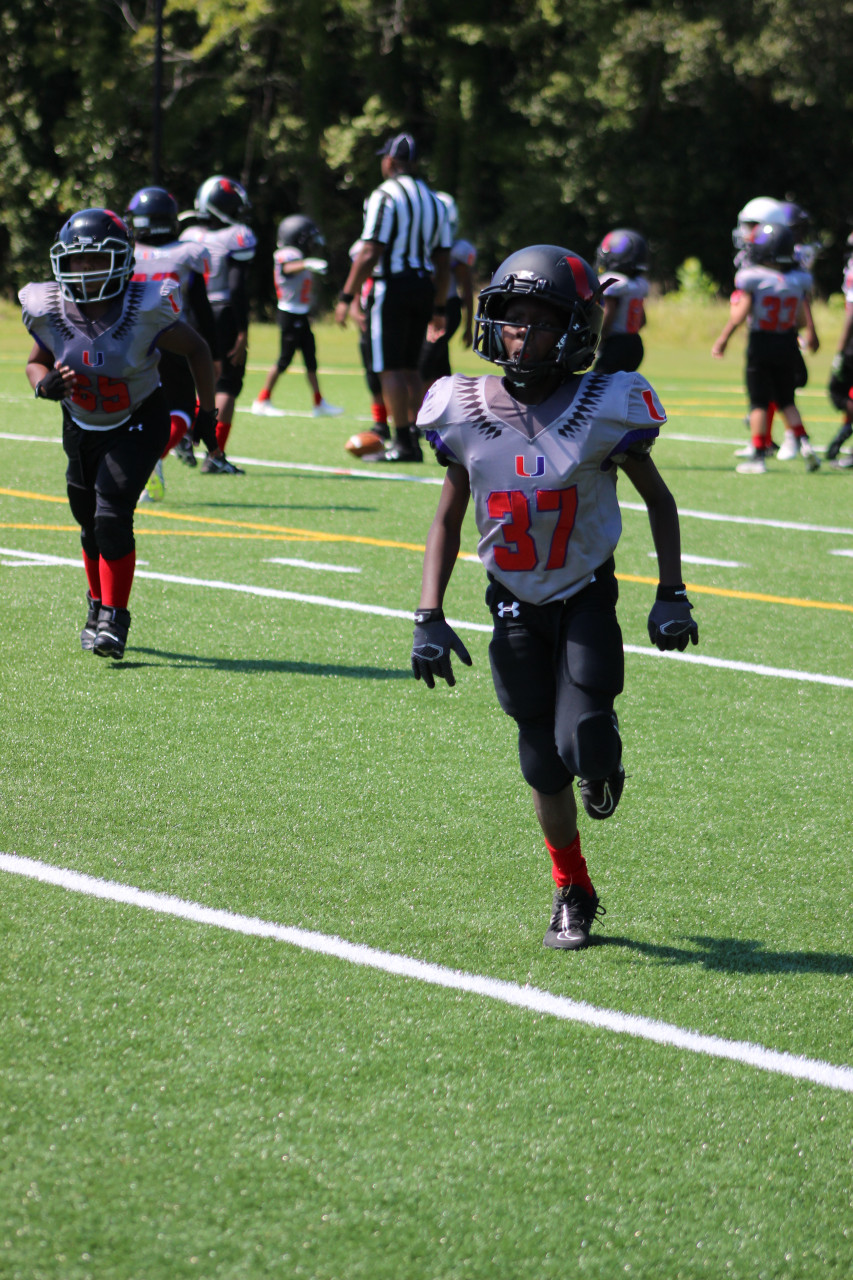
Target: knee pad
<point x="596" y="745"/>
<point x="541" y="766"/>
<point x="114" y="534"/>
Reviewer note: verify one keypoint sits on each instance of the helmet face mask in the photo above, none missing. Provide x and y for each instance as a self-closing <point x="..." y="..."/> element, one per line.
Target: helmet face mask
<point x="568" y="285"/>
<point x="300" y="233"/>
<point x="153" y="214"/>
<point x="759" y="210"/>
<point x="223" y="199"/>
<point x="92" y="233"/>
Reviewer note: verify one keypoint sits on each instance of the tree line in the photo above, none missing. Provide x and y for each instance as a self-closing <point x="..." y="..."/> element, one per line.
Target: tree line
<point x="548" y="121"/>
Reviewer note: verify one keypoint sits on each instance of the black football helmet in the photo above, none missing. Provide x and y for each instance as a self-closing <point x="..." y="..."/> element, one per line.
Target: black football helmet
<point x="153" y="214"/>
<point x="553" y="275"/>
<point x="224" y="200"/>
<point x="300" y="233"/>
<point x="622" y="250"/>
<point x="93" y="231"/>
<point x="771" y="243"/>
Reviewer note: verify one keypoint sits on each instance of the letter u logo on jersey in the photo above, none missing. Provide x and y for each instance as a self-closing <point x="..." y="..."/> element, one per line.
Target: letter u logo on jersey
<point x="93" y="359"/>
<point x="520" y="469"/>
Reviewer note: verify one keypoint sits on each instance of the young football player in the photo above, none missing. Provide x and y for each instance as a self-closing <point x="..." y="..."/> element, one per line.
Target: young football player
<point x="295" y="263"/>
<point x="771" y="294"/>
<point x="152" y="213"/>
<point x="98" y="337"/>
<point x="221" y="207"/>
<point x="539" y="450"/>
<point x="623" y="259"/>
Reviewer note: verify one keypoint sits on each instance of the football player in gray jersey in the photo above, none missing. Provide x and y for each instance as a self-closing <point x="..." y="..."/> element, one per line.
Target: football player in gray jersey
<point x="97" y="338"/>
<point x="538" y="450"/>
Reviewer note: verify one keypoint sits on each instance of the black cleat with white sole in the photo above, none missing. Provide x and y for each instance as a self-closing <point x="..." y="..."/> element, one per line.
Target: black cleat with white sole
<point x="573" y="913"/>
<point x="90" y="627"/>
<point x="601" y="798"/>
<point x="111" y="635"/>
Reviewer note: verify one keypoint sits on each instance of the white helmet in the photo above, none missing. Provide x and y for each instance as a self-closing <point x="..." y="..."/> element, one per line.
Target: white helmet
<point x="756" y="212"/>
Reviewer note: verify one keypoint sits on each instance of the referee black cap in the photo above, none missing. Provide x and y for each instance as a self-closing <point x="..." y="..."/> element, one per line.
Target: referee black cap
<point x="401" y="147"/>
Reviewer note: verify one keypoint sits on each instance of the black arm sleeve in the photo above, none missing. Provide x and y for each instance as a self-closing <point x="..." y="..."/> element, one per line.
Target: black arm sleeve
<point x="239" y="294"/>
<point x="203" y="314"/>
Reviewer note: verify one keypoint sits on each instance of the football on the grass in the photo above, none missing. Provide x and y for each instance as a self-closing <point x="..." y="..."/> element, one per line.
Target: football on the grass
<point x="365" y="444"/>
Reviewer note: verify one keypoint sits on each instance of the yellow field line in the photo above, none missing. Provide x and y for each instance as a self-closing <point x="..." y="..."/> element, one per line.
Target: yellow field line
<point x="279" y="533"/>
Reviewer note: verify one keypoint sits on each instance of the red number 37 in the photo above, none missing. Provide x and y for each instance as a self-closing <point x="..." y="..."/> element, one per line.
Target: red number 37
<point x="512" y="508"/>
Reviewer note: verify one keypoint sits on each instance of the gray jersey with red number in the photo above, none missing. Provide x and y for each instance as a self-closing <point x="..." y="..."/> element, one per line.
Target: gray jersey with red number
<point x="776" y="296"/>
<point x="542" y="476"/>
<point x="180" y="260"/>
<point x="224" y="245"/>
<point x="116" y="360"/>
<point x="628" y="293"/>
<point x="292" y="289"/>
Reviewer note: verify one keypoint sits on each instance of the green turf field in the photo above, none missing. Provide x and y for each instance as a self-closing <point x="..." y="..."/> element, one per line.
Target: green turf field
<point x="192" y="1095"/>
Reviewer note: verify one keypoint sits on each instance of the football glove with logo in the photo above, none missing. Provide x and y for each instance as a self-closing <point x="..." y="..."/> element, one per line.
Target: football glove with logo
<point x="670" y="624"/>
<point x="432" y="644"/>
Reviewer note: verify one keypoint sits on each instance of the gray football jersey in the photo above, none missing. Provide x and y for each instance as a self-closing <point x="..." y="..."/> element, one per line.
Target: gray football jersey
<point x="542" y="477"/>
<point x="179" y="261"/>
<point x="628" y="293"/>
<point x="293" y="291"/>
<point x="116" y="363"/>
<point x="224" y="245"/>
<point x="776" y="296"/>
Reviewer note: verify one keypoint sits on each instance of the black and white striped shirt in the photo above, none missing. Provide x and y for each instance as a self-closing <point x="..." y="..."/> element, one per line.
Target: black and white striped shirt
<point x="411" y="222"/>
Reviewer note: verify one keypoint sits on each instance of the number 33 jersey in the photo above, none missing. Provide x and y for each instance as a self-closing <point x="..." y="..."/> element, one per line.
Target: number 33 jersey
<point x="115" y="358"/>
<point x="542" y="476"/>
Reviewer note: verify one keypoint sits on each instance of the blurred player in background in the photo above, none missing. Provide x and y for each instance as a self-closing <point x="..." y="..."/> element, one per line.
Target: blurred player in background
<point x="622" y="259"/>
<point x="221" y="207"/>
<point x="841" y="373"/>
<point x="159" y="255"/>
<point x="538" y="450"/>
<point x="295" y="262"/>
<point x="435" y="356"/>
<point x="771" y="293"/>
<point x="98" y="337"/>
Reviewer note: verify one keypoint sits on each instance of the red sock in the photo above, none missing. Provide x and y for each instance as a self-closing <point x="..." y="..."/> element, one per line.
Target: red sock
<point x="180" y="425"/>
<point x="223" y="431"/>
<point x="93" y="576"/>
<point x="799" y="431"/>
<point x="569" y="865"/>
<point x="318" y="399"/>
<point x="116" y="580"/>
<point x="380" y="414"/>
<point x="263" y="394"/>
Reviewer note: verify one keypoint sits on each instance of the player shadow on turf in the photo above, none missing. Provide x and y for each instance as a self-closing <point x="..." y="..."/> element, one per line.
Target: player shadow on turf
<point x="266" y="666"/>
<point x="738" y="955"/>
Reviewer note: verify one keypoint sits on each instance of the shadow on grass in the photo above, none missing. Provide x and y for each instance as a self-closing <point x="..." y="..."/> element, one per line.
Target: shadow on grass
<point x="262" y="666"/>
<point x="737" y="955"/>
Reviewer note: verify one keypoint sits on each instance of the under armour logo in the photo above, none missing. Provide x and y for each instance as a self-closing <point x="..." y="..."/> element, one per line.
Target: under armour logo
<point x="135" y="426"/>
<point x="509" y="610"/>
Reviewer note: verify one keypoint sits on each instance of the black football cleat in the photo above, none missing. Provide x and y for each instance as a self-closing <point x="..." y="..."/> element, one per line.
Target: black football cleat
<point x="572" y="916"/>
<point x="185" y="452"/>
<point x="601" y="798"/>
<point x="111" y="635"/>
<point x="220" y="466"/>
<point x="90" y="627"/>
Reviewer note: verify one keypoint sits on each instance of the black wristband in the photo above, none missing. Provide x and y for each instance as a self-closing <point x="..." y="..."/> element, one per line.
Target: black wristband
<point x="343" y="296"/>
<point x="423" y="616"/>
<point x="38" y="388"/>
<point x="672" y="595"/>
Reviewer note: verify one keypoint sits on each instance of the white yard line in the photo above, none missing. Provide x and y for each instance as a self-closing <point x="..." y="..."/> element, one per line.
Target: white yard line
<point x="328" y="602"/>
<point x="521" y="997"/>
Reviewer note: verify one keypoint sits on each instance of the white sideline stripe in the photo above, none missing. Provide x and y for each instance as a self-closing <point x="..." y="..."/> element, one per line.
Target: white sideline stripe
<point x="311" y="564"/>
<point x="327" y="602"/>
<point x="380" y="473"/>
<point x="531" y="998"/>
<point x="722" y="564"/>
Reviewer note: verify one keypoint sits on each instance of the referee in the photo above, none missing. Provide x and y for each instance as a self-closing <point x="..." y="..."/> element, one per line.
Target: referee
<point x="406" y="250"/>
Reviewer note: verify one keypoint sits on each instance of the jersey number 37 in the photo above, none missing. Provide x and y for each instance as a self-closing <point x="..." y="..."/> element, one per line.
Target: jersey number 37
<point x="512" y="508"/>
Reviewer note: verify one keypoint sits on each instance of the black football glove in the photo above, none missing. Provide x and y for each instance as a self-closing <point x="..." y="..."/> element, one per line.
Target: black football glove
<point x="431" y="646"/>
<point x="204" y="428"/>
<point x="52" y="387"/>
<point x="670" y="624"/>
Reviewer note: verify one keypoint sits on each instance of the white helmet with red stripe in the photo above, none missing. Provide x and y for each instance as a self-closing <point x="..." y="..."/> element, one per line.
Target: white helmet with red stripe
<point x="566" y="282"/>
